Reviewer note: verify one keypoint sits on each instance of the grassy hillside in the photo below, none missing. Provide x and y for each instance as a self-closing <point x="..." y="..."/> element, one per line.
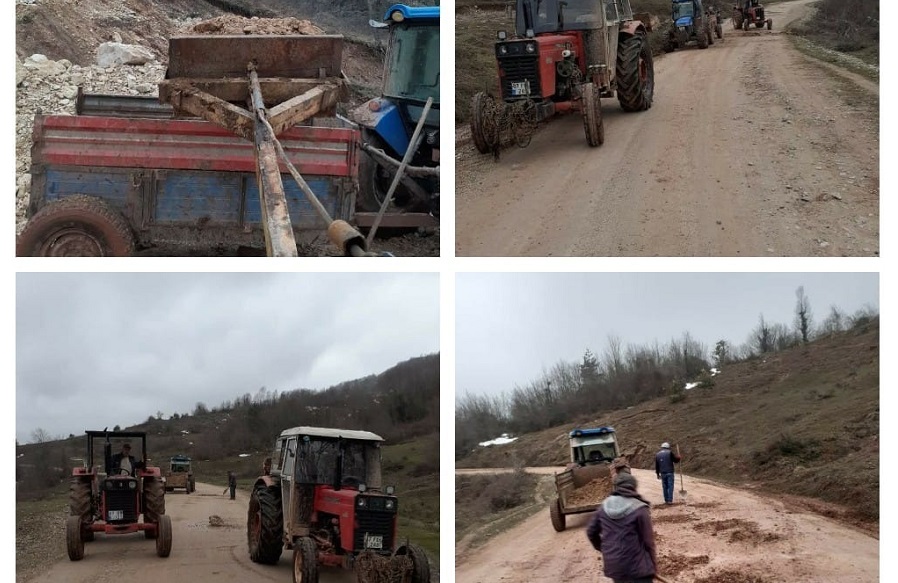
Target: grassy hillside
<point x="803" y="421"/>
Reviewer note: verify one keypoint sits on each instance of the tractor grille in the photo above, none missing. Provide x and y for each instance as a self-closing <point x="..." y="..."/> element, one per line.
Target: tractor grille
<point x="378" y="524"/>
<point x="518" y="70"/>
<point x="124" y="500"/>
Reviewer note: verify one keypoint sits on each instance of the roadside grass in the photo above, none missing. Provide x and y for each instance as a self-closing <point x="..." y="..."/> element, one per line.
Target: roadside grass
<point x="868" y="67"/>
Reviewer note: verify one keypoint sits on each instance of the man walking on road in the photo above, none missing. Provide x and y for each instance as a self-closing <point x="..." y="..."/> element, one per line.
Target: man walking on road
<point x="664" y="469"/>
<point x="232" y="484"/>
<point x="621" y="529"/>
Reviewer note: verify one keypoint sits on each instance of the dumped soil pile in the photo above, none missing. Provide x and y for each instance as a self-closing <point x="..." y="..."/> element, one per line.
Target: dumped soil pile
<point x="672" y="518"/>
<point x="591" y="493"/>
<point x="232" y="24"/>
<point x="739" y="531"/>
<point x="732" y="577"/>
<point x="671" y="565"/>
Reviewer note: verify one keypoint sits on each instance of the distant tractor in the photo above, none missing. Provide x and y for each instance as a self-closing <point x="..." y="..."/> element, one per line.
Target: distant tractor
<point x="411" y="76"/>
<point x="750" y="12"/>
<point x="565" y="56"/>
<point x="180" y="474"/>
<point x="690" y="23"/>
<point x="323" y="499"/>
<point x="110" y="501"/>
<point x="586" y="481"/>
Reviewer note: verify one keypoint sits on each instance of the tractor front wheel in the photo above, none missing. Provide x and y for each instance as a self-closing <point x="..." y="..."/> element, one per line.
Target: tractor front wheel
<point x="592" y="115"/>
<point x="74" y="543"/>
<point x="305" y="561"/>
<point x="769" y="24"/>
<point x="265" y="525"/>
<point x="484" y="128"/>
<point x="556" y="516"/>
<point x="76" y="226"/>
<point x="163" y="536"/>
<point x="80" y="505"/>
<point x="718" y="30"/>
<point x="420" y="564"/>
<point x="635" y="73"/>
<point x="709" y="34"/>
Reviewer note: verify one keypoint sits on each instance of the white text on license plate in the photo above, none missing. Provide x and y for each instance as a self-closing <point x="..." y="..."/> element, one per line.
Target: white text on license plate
<point x="116" y="514"/>
<point x="374" y="541"/>
<point x="520" y="88"/>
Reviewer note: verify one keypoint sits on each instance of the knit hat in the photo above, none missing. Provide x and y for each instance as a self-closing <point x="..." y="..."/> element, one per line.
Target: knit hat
<point x="624" y="479"/>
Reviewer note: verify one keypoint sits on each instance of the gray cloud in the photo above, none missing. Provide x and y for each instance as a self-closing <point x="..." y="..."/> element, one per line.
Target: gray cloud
<point x="103" y="349"/>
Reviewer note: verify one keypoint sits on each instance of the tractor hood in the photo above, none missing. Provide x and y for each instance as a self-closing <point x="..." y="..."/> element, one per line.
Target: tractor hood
<point x="684" y="21"/>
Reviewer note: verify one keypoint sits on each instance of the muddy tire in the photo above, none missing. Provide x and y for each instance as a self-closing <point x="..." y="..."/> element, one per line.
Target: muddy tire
<point x="76" y="226"/>
<point x="745" y="25"/>
<point x="718" y="30"/>
<point x="709" y="34"/>
<point x="702" y="35"/>
<point x="305" y="561"/>
<point x="80" y="505"/>
<point x="265" y="525"/>
<point x="420" y="564"/>
<point x="557" y="518"/>
<point x="153" y="503"/>
<point x="74" y="543"/>
<point x="769" y="24"/>
<point x="483" y="130"/>
<point x="163" y="536"/>
<point x="635" y="73"/>
<point x="192" y="484"/>
<point x="592" y="115"/>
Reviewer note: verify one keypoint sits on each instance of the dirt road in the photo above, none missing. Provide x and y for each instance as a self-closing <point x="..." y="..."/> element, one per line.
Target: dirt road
<point x="200" y="552"/>
<point x="750" y="149"/>
<point x="719" y="534"/>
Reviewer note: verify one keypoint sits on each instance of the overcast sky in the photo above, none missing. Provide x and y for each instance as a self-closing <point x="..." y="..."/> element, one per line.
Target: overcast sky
<point x="511" y="326"/>
<point x="97" y="350"/>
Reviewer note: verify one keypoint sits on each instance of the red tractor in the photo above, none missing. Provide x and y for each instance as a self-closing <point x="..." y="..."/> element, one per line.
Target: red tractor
<point x="111" y="501"/>
<point x="322" y="498"/>
<point x="750" y="12"/>
<point x="565" y="56"/>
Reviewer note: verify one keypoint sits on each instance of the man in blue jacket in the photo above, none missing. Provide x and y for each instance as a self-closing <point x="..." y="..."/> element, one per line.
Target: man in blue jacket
<point x="664" y="469"/>
<point x="621" y="529"/>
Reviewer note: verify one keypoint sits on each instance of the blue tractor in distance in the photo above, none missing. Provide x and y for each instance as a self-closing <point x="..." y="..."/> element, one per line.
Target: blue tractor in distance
<point x="411" y="76"/>
<point x="691" y="23"/>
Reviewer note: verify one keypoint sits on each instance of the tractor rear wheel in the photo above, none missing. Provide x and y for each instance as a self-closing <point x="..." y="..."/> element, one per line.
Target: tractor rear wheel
<point x="635" y="73"/>
<point x="73" y="542"/>
<point x="163" y="536"/>
<point x="484" y="131"/>
<point x="592" y="115"/>
<point x="265" y="525"/>
<point x="305" y="561"/>
<point x="153" y="503"/>
<point x="420" y="564"/>
<point x="375" y="179"/>
<point x="76" y="226"/>
<point x="555" y="514"/>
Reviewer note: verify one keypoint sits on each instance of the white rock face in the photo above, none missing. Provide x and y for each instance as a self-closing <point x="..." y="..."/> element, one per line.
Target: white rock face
<point x="43" y="66"/>
<point x="111" y="54"/>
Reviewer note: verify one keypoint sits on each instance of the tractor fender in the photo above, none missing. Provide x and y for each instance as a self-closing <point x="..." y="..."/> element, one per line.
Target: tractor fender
<point x="77" y="472"/>
<point x="152" y="472"/>
<point x="632" y="27"/>
<point x="381" y="116"/>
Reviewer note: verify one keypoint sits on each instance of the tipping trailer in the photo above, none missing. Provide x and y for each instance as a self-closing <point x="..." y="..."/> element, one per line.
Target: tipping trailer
<point x="242" y="149"/>
<point x="586" y="480"/>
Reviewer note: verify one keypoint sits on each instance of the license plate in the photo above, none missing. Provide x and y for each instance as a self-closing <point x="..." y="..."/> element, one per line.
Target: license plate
<point x="520" y="87"/>
<point x="374" y="541"/>
<point x="116" y="514"/>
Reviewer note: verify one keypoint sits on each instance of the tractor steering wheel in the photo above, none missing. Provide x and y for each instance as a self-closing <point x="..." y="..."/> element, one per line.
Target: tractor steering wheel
<point x="123" y="472"/>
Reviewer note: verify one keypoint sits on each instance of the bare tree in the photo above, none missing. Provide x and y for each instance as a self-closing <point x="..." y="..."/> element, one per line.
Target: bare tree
<point x="763" y="336"/>
<point x="803" y="315"/>
<point x="721" y="353"/>
<point x="614" y="355"/>
<point x="834" y="322"/>
<point x="40" y="435"/>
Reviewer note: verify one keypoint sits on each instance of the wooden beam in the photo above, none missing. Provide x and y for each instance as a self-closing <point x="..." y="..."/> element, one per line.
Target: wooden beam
<point x="302" y="107"/>
<point x="236" y="90"/>
<point x="191" y="100"/>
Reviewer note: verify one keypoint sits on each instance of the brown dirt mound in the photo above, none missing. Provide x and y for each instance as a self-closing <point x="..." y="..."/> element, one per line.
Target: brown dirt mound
<point x="591" y="493"/>
<point x="233" y="24"/>
<point x="732" y="577"/>
<point x="741" y="531"/>
<point x="672" y="518"/>
<point x="671" y="565"/>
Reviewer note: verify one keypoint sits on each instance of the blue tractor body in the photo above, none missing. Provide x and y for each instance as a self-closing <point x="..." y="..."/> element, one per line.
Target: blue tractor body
<point x="411" y="76"/>
<point x="690" y="23"/>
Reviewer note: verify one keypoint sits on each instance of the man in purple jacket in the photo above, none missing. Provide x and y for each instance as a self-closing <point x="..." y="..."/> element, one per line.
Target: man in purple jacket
<point x="621" y="529"/>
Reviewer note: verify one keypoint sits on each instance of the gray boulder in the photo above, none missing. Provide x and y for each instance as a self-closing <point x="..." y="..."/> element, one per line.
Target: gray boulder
<point x="111" y="54"/>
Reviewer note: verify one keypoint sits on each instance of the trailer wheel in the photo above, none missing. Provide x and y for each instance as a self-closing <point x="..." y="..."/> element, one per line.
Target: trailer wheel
<point x="555" y="514"/>
<point x="265" y="525"/>
<point x="592" y="115"/>
<point x="420" y="564"/>
<point x="163" y="536"/>
<point x="635" y="73"/>
<point x="305" y="561"/>
<point x="484" y="130"/>
<point x="153" y="503"/>
<point x="73" y="542"/>
<point x="76" y="226"/>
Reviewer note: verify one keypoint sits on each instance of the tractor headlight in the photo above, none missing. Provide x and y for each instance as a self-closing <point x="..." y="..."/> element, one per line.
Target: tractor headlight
<point x="530" y="47"/>
<point x="390" y="504"/>
<point x="361" y="502"/>
<point x="503" y="50"/>
<point x="132" y="485"/>
<point x="397" y="16"/>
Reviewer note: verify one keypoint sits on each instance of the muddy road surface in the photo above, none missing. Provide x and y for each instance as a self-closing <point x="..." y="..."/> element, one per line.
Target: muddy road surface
<point x="200" y="552"/>
<point x="750" y="149"/>
<point x="714" y="534"/>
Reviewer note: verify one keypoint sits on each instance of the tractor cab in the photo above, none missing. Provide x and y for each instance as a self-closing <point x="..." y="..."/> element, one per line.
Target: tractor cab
<point x="593" y="446"/>
<point x="683" y="12"/>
